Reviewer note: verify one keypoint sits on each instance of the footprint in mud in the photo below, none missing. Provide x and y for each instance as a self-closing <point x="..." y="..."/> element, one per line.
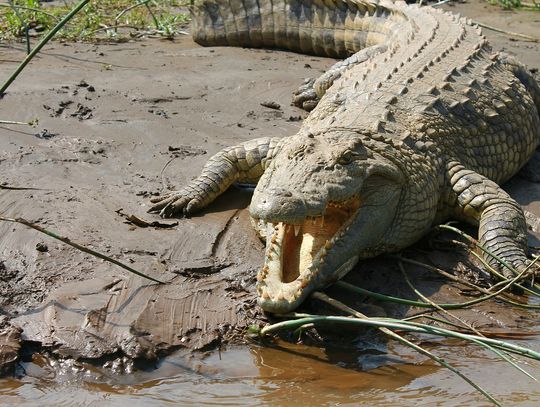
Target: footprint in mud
<point x="82" y="112"/>
<point x="45" y="134"/>
<point x="60" y="109"/>
<point x="184" y="151"/>
<point x="159" y="112"/>
<point x="64" y="149"/>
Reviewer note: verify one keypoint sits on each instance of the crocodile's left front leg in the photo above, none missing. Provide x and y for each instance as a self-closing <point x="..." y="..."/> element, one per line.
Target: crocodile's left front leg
<point x="243" y="163"/>
<point x="502" y="226"/>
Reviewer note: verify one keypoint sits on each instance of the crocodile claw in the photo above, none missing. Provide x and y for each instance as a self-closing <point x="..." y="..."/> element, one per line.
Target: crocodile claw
<point x="305" y="96"/>
<point x="173" y="203"/>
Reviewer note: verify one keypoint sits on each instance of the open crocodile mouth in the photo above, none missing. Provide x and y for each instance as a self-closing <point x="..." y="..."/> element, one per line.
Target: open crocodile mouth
<point x="295" y="253"/>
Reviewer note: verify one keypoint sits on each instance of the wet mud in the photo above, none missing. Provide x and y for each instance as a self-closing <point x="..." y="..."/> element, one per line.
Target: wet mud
<point x="120" y="123"/>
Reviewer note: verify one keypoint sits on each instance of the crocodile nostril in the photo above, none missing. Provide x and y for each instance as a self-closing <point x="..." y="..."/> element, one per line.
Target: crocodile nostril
<point x="278" y="204"/>
<point x="281" y="192"/>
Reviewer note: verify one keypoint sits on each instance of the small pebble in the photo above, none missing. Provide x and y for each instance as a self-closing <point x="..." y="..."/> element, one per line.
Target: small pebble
<point x="42" y="247"/>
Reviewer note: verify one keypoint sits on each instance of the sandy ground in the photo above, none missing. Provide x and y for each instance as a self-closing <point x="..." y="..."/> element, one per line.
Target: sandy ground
<point x="119" y="123"/>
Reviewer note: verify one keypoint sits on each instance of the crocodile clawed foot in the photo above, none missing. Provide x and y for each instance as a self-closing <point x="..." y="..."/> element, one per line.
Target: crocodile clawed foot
<point x="173" y="203"/>
<point x="528" y="272"/>
<point x="305" y="96"/>
<point x="532" y="273"/>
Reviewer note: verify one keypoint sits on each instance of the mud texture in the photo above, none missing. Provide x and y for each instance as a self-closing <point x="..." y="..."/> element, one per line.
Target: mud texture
<point x="119" y="123"/>
<point x="10" y="345"/>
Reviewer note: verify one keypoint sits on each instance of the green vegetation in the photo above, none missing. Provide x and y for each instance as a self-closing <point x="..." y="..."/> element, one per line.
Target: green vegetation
<point x="116" y="20"/>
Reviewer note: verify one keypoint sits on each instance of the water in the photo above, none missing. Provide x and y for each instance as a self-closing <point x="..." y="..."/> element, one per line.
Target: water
<point x="283" y="375"/>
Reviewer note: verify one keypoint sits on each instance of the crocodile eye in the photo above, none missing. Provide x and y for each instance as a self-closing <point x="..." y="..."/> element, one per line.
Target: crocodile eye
<point x="346" y="158"/>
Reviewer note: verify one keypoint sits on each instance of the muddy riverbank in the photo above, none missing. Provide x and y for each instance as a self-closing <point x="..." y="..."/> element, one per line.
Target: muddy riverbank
<point x="119" y="123"/>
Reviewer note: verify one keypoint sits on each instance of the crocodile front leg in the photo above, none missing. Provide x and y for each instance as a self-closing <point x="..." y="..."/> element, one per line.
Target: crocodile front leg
<point x="244" y="163"/>
<point x="502" y="226"/>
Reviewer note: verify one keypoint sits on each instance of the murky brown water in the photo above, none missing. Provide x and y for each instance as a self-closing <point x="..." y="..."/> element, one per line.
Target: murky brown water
<point x="283" y="376"/>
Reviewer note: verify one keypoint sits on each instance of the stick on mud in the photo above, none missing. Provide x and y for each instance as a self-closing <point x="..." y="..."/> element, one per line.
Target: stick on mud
<point x="78" y="246"/>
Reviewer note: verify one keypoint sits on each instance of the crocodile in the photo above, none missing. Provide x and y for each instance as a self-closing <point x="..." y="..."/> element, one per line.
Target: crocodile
<point x="420" y="122"/>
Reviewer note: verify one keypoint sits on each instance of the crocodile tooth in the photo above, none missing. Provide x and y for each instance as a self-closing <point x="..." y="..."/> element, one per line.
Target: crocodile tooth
<point x="297" y="229"/>
<point x="328" y="244"/>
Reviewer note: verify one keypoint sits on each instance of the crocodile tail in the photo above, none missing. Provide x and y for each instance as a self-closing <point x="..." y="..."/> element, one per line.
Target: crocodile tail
<point x="333" y="28"/>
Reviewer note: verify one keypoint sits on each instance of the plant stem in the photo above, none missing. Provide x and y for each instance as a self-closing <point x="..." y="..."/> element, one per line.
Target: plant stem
<point x="402" y="325"/>
<point x="489" y="253"/>
<point x="14" y="122"/>
<point x="510" y="33"/>
<point x="78" y="246"/>
<point x="435" y="305"/>
<point x="464" y="282"/>
<point x="119" y="15"/>
<point x="23" y="23"/>
<point x="382" y="297"/>
<point x="339" y="305"/>
<point x="36" y="10"/>
<point x="156" y="22"/>
<point x="41" y="43"/>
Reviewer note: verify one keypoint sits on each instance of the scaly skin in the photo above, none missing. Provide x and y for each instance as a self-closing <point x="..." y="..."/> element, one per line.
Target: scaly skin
<point x="419" y="124"/>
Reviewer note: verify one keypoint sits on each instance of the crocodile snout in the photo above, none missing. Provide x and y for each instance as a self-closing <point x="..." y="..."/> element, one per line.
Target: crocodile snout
<point x="278" y="205"/>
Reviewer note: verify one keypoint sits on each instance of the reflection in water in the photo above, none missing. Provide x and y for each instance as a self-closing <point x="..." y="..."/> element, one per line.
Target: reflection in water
<point x="285" y="375"/>
<point x="313" y="375"/>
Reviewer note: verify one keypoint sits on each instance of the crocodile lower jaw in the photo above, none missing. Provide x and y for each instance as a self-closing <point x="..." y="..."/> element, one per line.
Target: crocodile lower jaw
<point x="296" y="256"/>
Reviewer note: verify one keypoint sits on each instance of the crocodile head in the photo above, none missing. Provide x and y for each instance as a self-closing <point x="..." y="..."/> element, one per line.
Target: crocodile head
<point x="324" y="202"/>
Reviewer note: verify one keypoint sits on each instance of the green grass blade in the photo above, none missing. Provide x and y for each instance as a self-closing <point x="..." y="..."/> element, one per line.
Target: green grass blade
<point x="40" y="45"/>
